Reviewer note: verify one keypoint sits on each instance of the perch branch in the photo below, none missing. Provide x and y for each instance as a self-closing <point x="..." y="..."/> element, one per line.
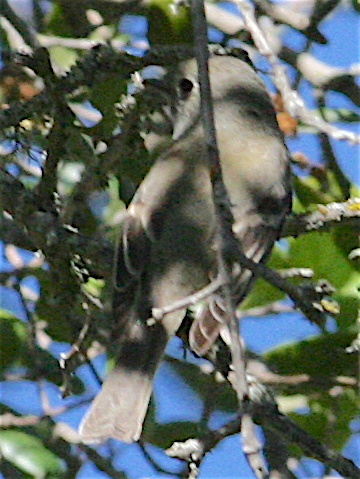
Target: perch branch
<point x="251" y="445"/>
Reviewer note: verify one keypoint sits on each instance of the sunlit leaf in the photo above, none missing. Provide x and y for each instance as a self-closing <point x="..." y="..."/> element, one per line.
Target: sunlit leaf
<point x="13" y="334"/>
<point x="168" y="25"/>
<point x="318" y="251"/>
<point x="29" y="455"/>
<point x="322" y="357"/>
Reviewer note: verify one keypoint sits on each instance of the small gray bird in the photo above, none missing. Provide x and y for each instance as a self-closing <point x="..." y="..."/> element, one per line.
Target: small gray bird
<point x="168" y="246"/>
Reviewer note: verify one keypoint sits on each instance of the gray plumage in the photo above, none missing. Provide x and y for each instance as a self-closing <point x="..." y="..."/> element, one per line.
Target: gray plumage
<point x="168" y="244"/>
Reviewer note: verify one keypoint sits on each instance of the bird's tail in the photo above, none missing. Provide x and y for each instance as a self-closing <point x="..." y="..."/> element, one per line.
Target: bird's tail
<point x="119" y="409"/>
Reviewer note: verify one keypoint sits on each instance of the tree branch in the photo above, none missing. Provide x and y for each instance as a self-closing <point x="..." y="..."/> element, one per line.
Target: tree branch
<point x="251" y="445"/>
<point x="266" y="413"/>
<point x="21" y="27"/>
<point x="324" y="218"/>
<point x="294" y="104"/>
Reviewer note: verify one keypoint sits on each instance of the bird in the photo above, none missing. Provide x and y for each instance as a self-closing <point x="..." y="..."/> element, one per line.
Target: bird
<point x="168" y="241"/>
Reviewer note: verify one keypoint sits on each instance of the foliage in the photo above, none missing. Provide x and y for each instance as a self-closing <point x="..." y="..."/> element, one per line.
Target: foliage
<point x="72" y="154"/>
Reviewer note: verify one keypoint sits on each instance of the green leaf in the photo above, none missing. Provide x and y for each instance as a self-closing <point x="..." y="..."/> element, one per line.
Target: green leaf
<point x="57" y="23"/>
<point x="322" y="357"/>
<point x="135" y="161"/>
<point x="356" y="5"/>
<point x="319" y="252"/>
<point x="114" y="206"/>
<point x="13" y="334"/>
<point x="309" y="191"/>
<point x="66" y="57"/>
<point x="5" y="314"/>
<point x="330" y="414"/>
<point x="163" y="435"/>
<point x="56" y="307"/>
<point x="15" y="350"/>
<point x="347" y="238"/>
<point x="103" y="97"/>
<point x="79" y="148"/>
<point x="349" y="302"/>
<point x="168" y="25"/>
<point x="29" y="455"/>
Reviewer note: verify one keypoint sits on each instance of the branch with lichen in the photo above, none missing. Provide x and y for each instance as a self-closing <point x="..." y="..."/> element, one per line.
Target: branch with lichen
<point x="324" y="218"/>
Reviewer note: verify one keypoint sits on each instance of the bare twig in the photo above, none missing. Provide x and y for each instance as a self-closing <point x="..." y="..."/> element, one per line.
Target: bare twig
<point x="102" y="463"/>
<point x="8" y="420"/>
<point x="211" y="288"/>
<point x="304" y="297"/>
<point x="251" y="445"/>
<point x="49" y="41"/>
<point x="283" y="425"/>
<point x="279" y="423"/>
<point x="12" y="192"/>
<point x="24" y="29"/>
<point x="288" y="15"/>
<point x="294" y="292"/>
<point x="75" y="347"/>
<point x="103" y="58"/>
<point x="151" y="460"/>
<point x="295" y="105"/>
<point x="272" y="308"/>
<point x="296" y="272"/>
<point x="265" y="410"/>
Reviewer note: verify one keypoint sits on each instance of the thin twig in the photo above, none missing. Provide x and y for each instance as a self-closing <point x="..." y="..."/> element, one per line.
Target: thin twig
<point x="298" y="294"/>
<point x="102" y="463"/>
<point x="278" y="423"/>
<point x="265" y="410"/>
<point x="295" y="105"/>
<point x="296" y="272"/>
<point x="282" y="424"/>
<point x="208" y="290"/>
<point x="272" y="308"/>
<point x="251" y="445"/>
<point x="75" y="347"/>
<point x="24" y="29"/>
<point x="103" y="58"/>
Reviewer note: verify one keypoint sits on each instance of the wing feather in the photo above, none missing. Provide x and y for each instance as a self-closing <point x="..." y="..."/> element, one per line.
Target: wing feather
<point x="256" y="235"/>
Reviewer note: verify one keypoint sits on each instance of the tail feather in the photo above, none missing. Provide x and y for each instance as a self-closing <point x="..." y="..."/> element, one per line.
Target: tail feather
<point x="118" y="411"/>
<point x="120" y="407"/>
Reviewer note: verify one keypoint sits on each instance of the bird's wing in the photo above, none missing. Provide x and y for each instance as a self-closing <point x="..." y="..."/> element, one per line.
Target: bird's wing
<point x="140" y="229"/>
<point x="256" y="233"/>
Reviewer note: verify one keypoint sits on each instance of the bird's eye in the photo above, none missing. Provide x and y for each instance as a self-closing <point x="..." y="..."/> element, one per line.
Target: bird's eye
<point x="185" y="87"/>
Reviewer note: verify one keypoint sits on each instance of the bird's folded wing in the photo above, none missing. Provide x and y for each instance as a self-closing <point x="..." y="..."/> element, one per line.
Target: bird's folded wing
<point x="141" y="227"/>
<point x="256" y="243"/>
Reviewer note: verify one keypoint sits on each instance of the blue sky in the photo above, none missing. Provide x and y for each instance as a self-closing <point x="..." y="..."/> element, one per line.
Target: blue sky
<point x="173" y="398"/>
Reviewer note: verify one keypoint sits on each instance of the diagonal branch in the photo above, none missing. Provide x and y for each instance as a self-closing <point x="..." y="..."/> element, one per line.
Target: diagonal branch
<point x="251" y="444"/>
<point x="265" y="410"/>
<point x="324" y="218"/>
<point x="27" y="33"/>
<point x="292" y="100"/>
<point x="279" y="424"/>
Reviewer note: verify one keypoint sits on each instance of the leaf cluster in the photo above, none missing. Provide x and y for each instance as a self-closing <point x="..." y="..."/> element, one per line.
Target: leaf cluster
<point x="73" y="122"/>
